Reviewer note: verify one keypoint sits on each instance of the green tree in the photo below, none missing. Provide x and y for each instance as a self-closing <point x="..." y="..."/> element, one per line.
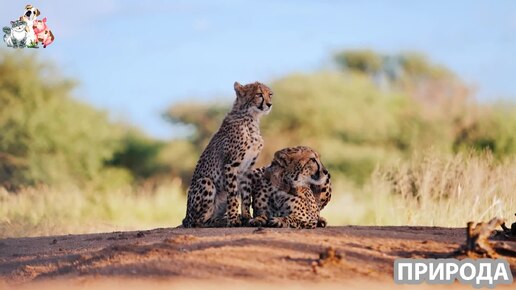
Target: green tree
<point x="363" y="61"/>
<point x="202" y="119"/>
<point x="139" y="154"/>
<point x="408" y="66"/>
<point x="46" y="135"/>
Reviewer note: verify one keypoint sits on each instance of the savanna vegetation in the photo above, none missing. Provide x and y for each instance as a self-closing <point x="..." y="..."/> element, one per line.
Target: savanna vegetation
<point x="404" y="138"/>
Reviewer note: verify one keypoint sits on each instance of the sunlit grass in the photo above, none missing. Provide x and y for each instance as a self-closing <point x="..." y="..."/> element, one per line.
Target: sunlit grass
<point x="50" y="211"/>
<point x="429" y="190"/>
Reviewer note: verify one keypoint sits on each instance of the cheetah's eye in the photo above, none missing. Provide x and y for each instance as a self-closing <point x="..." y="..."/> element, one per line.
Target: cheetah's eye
<point x="259" y="95"/>
<point x="311" y="163"/>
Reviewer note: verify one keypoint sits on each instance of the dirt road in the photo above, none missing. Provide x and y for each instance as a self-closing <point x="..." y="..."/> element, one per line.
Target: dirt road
<point x="210" y="258"/>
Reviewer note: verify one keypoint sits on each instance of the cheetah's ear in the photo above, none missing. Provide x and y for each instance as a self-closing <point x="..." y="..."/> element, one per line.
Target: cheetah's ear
<point x="239" y="89"/>
<point x="281" y="158"/>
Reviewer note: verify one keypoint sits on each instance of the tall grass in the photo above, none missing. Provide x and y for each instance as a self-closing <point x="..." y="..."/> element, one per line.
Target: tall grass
<point x="51" y="211"/>
<point x="430" y="189"/>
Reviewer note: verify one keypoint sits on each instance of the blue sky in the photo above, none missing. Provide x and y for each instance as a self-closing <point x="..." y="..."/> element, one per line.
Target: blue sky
<point x="136" y="58"/>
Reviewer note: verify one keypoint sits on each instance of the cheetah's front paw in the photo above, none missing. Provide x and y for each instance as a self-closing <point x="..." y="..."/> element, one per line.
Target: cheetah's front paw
<point x="245" y="220"/>
<point x="278" y="222"/>
<point x="235" y="222"/>
<point x="259" y="221"/>
<point x="321" y="222"/>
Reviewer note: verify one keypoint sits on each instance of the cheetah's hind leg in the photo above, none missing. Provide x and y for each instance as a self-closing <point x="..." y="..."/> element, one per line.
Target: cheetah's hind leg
<point x="201" y="204"/>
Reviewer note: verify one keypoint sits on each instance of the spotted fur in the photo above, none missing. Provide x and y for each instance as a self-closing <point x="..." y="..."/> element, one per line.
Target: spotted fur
<point x="291" y="191"/>
<point x="213" y="195"/>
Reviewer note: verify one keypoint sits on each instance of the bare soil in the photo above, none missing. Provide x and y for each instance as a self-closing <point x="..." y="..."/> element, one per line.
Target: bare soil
<point x="223" y="257"/>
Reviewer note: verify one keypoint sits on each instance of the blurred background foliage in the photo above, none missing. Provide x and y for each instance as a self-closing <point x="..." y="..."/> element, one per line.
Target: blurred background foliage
<point x="46" y="135"/>
<point x="372" y="112"/>
<point x="373" y="109"/>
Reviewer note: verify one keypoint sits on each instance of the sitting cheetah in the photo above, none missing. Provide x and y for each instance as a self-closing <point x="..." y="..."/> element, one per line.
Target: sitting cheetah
<point x="291" y="191"/>
<point x="213" y="198"/>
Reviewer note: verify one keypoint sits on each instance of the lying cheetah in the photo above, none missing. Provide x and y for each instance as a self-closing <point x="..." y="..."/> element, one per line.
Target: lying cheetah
<point x="213" y="198"/>
<point x="291" y="191"/>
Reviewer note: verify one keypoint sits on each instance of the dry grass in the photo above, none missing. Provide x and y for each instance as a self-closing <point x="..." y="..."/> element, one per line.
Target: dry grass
<point x="434" y="191"/>
<point x="50" y="211"/>
<point x="429" y="190"/>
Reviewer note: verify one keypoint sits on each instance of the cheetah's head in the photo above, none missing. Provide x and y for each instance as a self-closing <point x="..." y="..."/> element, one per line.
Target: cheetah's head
<point x="296" y="166"/>
<point x="254" y="98"/>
